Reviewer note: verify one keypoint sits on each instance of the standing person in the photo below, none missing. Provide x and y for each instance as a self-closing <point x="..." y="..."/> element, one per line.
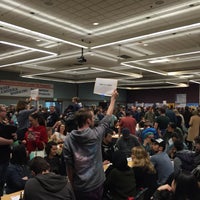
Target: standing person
<point x="150" y="115"/>
<point x="82" y="152"/>
<point x="5" y="141"/>
<point x="53" y="117"/>
<point x="128" y="122"/>
<point x="161" y="122"/>
<point x="46" y="185"/>
<point x="23" y="113"/>
<point x="36" y="137"/>
<point x="194" y="129"/>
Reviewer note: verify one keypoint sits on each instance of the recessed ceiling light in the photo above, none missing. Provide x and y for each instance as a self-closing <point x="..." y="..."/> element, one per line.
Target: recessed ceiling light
<point x="95" y="23"/>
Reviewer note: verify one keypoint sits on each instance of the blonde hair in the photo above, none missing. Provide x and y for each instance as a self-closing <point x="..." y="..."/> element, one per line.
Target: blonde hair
<point x="141" y="158"/>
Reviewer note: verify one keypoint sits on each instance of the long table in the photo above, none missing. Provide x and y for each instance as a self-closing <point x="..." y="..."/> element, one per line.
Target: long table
<point x="11" y="196"/>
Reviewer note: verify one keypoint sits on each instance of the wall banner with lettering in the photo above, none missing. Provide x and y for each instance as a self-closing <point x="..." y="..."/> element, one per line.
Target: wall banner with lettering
<point x="23" y="89"/>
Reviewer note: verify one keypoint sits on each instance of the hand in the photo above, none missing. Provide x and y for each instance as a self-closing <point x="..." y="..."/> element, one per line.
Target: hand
<point x="115" y="94"/>
<point x="165" y="187"/>
<point x="105" y="162"/>
<point x="25" y="178"/>
<point x="14" y="135"/>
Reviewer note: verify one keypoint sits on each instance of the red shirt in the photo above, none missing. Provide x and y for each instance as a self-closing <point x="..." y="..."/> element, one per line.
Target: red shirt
<point x="39" y="134"/>
<point x="128" y="122"/>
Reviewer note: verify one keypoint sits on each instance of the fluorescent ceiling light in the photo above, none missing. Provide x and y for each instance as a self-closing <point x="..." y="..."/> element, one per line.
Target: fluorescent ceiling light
<point x="153" y="87"/>
<point x="151" y="35"/>
<point x="37" y="34"/>
<point x="25" y="47"/>
<point x="165" y="57"/>
<point x="159" y="60"/>
<point x="27" y="61"/>
<point x="144" y="69"/>
<point x="41" y="16"/>
<point x="192" y="81"/>
<point x="117" y="72"/>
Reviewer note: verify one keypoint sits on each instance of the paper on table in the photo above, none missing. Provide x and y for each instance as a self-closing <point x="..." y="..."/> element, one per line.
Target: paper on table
<point x="15" y="197"/>
<point x="105" y="86"/>
<point x="34" y="94"/>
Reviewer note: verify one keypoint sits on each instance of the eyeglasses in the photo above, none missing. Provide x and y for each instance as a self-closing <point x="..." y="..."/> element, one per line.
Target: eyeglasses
<point x="2" y="110"/>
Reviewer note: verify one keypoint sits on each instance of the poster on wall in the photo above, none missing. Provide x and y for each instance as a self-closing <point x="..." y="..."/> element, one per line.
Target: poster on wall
<point x="23" y="89"/>
<point x="181" y="98"/>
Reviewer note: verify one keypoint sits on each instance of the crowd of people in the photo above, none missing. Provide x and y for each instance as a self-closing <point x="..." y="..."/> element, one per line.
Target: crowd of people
<point x="163" y="145"/>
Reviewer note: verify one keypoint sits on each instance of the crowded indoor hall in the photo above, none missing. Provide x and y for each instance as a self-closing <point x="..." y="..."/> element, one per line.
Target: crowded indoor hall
<point x="100" y="100"/>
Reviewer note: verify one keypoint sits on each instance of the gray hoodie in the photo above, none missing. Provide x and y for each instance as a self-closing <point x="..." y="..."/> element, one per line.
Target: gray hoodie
<point x="48" y="186"/>
<point x="82" y="151"/>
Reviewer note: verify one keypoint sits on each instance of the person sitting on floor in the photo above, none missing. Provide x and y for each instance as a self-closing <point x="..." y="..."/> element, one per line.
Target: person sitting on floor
<point x="46" y="185"/>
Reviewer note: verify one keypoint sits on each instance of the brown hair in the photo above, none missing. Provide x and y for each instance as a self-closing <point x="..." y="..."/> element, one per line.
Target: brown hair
<point x="141" y="158"/>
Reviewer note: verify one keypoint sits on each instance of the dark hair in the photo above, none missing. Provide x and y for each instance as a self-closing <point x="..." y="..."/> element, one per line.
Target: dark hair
<point x="172" y="125"/>
<point x="39" y="117"/>
<point x="19" y="155"/>
<point x="163" y="195"/>
<point x="186" y="187"/>
<point x="82" y="115"/>
<point x="120" y="161"/>
<point x="21" y="105"/>
<point x="197" y="139"/>
<point x="162" y="110"/>
<point x="196" y="173"/>
<point x="49" y="146"/>
<point x="65" y="131"/>
<point x="108" y="131"/>
<point x="178" y="145"/>
<point x="39" y="165"/>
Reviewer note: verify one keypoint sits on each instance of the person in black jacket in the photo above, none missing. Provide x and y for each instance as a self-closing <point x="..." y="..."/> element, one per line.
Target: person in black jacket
<point x="18" y="171"/>
<point x="46" y="185"/>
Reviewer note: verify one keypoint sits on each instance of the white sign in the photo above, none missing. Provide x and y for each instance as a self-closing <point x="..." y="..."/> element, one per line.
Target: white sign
<point x="105" y="86"/>
<point x="34" y="94"/>
<point x="22" y="89"/>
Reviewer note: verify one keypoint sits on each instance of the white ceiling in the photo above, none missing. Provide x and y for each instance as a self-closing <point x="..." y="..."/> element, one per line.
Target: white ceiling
<point x="42" y="39"/>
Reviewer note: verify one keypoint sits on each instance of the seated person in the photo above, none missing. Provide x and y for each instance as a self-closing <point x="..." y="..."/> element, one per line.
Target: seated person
<point x="107" y="147"/>
<point x="126" y="142"/>
<point x="197" y="151"/>
<point x="145" y="173"/>
<point x="55" y="161"/>
<point x="120" y="179"/>
<point x="18" y="171"/>
<point x="183" y="187"/>
<point x="147" y="142"/>
<point x="183" y="159"/>
<point x="161" y="161"/>
<point x="46" y="185"/>
<point x="170" y="147"/>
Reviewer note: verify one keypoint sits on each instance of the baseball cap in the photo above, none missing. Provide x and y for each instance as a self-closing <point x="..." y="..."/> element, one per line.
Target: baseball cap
<point x="159" y="141"/>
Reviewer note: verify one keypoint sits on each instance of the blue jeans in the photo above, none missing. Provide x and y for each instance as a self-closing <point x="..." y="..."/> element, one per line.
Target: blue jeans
<point x="3" y="169"/>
